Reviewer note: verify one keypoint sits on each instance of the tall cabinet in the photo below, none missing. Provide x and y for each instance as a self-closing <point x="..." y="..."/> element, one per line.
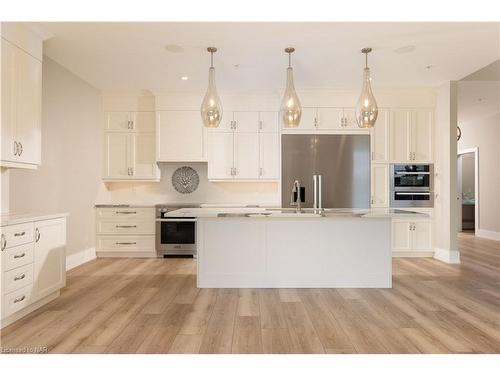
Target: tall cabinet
<point x="21" y="96"/>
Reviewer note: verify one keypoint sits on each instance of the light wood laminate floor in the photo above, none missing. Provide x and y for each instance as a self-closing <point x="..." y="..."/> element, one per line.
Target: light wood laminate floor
<point x="153" y="306"/>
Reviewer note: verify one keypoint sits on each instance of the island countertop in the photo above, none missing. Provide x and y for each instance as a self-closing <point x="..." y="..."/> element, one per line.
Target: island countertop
<point x="262" y="212"/>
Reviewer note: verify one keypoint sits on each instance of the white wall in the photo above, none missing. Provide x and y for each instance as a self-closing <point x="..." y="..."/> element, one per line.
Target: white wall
<point x="479" y="119"/>
<point x="69" y="177"/>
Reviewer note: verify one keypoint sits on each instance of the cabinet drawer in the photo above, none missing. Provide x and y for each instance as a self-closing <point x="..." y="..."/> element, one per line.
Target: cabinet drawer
<point x="126" y="243"/>
<point x="17" y="300"/>
<point x="127" y="213"/>
<point x="17" y="234"/>
<point x="125" y="227"/>
<point x="18" y="278"/>
<point x="17" y="256"/>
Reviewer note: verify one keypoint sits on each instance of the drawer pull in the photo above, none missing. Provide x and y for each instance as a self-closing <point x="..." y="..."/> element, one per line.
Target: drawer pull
<point x="126" y="212"/>
<point x="17" y="256"/>
<point x="4" y="242"/>
<point x="37" y="235"/>
<point x="126" y="243"/>
<point x="19" y="299"/>
<point x="20" y="277"/>
<point x="126" y="226"/>
<point x="19" y="234"/>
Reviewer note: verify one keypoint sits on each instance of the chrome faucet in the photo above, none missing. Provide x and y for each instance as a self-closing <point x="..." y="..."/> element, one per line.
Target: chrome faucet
<point x="296" y="202"/>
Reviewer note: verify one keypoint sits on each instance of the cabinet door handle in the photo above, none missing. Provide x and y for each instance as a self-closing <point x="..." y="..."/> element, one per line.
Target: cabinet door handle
<point x="260" y="124"/>
<point x="17" y="256"/>
<point x="125" y="212"/>
<point x="315" y="122"/>
<point x="132" y="124"/>
<point x="260" y="171"/>
<point x="125" y="226"/>
<point x="131" y="171"/>
<point x="21" y="148"/>
<point x="372" y="156"/>
<point x="126" y="243"/>
<point x="19" y="234"/>
<point x="37" y="235"/>
<point x="4" y="242"/>
<point x="16" y="148"/>
<point x="20" y="277"/>
<point x="19" y="299"/>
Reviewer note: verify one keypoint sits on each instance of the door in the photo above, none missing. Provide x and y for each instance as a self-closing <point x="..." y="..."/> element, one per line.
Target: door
<point x="180" y="136"/>
<point x="400" y="136"/>
<point x="118" y="121"/>
<point x="142" y="157"/>
<point x="49" y="257"/>
<point x="246" y="121"/>
<point x="8" y="102"/>
<point x="246" y="155"/>
<point x="143" y="121"/>
<point x="422" y="135"/>
<point x="330" y="118"/>
<point x="117" y="155"/>
<point x="350" y="119"/>
<point x="28" y="107"/>
<point x="308" y="120"/>
<point x="269" y="122"/>
<point x="380" y="185"/>
<point x="379" y="137"/>
<point x="220" y="155"/>
<point x="422" y="236"/>
<point x="401" y="235"/>
<point x="269" y="156"/>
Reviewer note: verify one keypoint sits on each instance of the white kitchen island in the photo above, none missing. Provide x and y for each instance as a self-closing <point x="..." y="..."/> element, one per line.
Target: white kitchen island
<point x="250" y="249"/>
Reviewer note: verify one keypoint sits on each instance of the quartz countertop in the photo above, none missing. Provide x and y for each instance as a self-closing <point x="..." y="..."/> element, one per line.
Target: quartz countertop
<point x="253" y="212"/>
<point x="24" y="217"/>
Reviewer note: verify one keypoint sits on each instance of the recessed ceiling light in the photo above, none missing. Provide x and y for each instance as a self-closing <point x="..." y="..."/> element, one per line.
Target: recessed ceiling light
<point x="405" y="49"/>
<point x="184" y="78"/>
<point x="174" y="48"/>
<point x="428" y="67"/>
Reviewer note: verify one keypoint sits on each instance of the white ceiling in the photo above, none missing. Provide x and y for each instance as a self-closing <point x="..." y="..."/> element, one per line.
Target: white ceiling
<point x="132" y="56"/>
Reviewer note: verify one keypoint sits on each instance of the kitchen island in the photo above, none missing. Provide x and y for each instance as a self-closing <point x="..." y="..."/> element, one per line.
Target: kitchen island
<point x="259" y="248"/>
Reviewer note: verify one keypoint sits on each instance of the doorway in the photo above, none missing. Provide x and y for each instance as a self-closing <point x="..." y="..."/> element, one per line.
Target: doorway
<point x="468" y="190"/>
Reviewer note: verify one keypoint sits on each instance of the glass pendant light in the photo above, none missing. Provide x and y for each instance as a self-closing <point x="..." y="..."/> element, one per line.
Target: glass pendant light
<point x="366" y="110"/>
<point x="291" y="111"/>
<point x="211" y="107"/>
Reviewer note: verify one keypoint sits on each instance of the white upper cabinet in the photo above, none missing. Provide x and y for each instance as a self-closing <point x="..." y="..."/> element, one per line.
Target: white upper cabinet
<point x="380" y="185"/>
<point x="246" y="156"/>
<point x="326" y="119"/>
<point x="350" y="118"/>
<point x="180" y="136"/>
<point x="268" y="122"/>
<point x="269" y="156"/>
<point x="129" y="146"/>
<point x="330" y="118"/>
<point x="220" y="155"/>
<point x="246" y="122"/>
<point x="411" y="135"/>
<point x="308" y="120"/>
<point x="421" y="135"/>
<point x="379" y="138"/>
<point x="21" y="107"/>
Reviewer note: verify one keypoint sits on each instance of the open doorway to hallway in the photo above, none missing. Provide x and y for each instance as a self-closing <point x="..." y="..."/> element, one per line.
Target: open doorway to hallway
<point x="468" y="190"/>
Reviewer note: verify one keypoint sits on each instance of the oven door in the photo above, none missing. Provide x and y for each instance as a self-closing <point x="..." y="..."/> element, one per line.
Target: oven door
<point x="403" y="198"/>
<point x="412" y="177"/>
<point x="176" y="236"/>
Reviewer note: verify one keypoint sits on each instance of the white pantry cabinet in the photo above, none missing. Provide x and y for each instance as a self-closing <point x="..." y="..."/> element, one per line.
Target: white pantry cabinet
<point x="129" y="147"/>
<point x="379" y="138"/>
<point x="33" y="257"/>
<point x="21" y="107"/>
<point x="411" y="136"/>
<point x="380" y="185"/>
<point x="326" y="119"/>
<point x="179" y="137"/>
<point x="412" y="236"/>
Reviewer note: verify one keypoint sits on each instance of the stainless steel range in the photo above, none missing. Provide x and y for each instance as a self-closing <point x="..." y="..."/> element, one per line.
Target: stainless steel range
<point x="175" y="235"/>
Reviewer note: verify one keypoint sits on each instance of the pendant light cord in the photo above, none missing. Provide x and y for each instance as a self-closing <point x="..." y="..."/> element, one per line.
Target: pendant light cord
<point x="289" y="59"/>
<point x="366" y="60"/>
<point x="211" y="59"/>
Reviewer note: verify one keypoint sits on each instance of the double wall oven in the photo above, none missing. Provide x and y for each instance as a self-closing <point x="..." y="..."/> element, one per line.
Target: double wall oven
<point x="412" y="185"/>
<point x="175" y="236"/>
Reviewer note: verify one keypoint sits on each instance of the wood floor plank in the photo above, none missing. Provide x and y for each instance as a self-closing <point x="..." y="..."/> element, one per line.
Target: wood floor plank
<point x="247" y="337"/>
<point x="186" y="344"/>
<point x="304" y="337"/>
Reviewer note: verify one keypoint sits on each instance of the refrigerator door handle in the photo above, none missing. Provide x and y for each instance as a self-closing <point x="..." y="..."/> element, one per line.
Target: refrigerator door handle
<point x="315" y="191"/>
<point x="320" y="205"/>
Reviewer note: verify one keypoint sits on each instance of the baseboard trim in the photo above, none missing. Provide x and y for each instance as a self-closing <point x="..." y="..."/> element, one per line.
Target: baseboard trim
<point x="447" y="256"/>
<point x="488" y="234"/>
<point x="412" y="254"/>
<point x="126" y="254"/>
<point x="76" y="259"/>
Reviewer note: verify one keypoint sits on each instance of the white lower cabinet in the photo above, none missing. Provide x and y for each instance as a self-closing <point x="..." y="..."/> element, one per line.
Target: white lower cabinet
<point x="380" y="185"/>
<point x="412" y="237"/>
<point x="33" y="266"/>
<point x="125" y="232"/>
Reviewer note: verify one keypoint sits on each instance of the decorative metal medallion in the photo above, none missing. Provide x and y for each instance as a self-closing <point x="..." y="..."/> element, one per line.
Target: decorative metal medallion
<point x="185" y="180"/>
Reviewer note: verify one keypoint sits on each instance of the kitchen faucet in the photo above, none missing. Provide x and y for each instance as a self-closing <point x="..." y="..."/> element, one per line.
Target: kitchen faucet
<point x="297" y="201"/>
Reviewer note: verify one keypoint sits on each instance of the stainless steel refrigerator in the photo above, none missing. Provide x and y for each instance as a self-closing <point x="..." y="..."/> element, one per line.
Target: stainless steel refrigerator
<point x="342" y="161"/>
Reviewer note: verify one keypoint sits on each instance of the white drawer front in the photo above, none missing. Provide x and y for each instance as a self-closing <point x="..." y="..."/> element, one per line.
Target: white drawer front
<point x="126" y="213"/>
<point x="125" y="227"/>
<point x="17" y="256"/>
<point x="15" y="235"/>
<point x="18" y="278"/>
<point x="126" y="243"/>
<point x="17" y="300"/>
